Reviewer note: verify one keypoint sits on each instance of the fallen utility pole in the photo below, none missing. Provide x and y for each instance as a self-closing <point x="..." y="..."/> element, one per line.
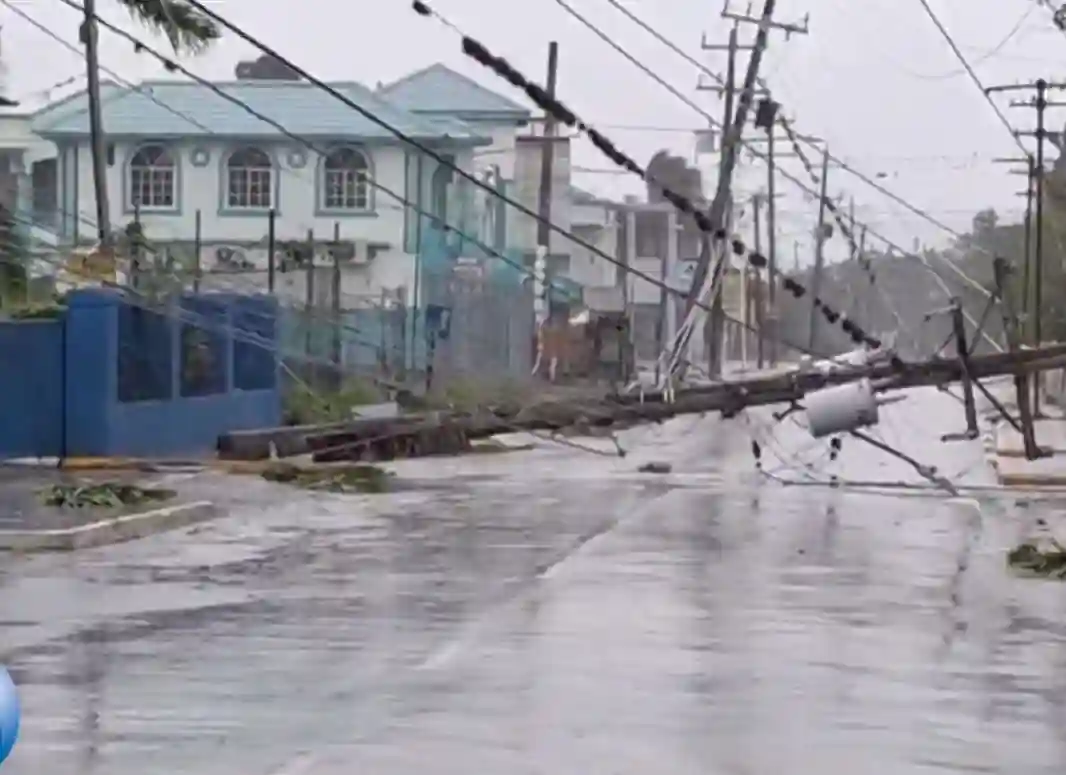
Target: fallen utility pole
<point x="380" y="438"/>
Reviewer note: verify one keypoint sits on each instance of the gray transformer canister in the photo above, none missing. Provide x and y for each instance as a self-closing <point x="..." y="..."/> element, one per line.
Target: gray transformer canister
<point x="841" y="408"/>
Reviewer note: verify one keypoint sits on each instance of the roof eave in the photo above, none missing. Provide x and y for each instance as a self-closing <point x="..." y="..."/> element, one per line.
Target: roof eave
<point x="518" y="117"/>
<point x="466" y="142"/>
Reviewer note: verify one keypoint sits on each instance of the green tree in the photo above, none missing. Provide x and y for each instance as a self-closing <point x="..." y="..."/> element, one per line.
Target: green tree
<point x="185" y="27"/>
<point x="13" y="276"/>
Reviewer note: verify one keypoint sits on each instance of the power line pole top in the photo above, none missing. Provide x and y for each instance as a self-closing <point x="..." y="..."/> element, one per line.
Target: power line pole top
<point x="749" y="15"/>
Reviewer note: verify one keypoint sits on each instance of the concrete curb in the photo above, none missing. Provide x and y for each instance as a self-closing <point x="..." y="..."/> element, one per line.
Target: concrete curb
<point x="89" y="464"/>
<point x="108" y="531"/>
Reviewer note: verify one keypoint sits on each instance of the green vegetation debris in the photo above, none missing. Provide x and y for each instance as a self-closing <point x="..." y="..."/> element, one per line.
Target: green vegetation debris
<point x="102" y="495"/>
<point x="495" y="447"/>
<point x="1045" y="558"/>
<point x="304" y="406"/>
<point x="37" y="312"/>
<point x="355" y="478"/>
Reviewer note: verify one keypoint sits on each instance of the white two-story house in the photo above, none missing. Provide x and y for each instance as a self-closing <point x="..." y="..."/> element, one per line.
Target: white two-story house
<point x="218" y="173"/>
<point x="203" y="167"/>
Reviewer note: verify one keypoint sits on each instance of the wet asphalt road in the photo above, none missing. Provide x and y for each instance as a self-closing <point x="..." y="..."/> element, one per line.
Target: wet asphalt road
<point x="555" y="612"/>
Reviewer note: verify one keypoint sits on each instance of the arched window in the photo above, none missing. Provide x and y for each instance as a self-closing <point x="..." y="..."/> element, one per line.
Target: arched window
<point x="346" y="180"/>
<point x="152" y="178"/>
<point x="249" y="180"/>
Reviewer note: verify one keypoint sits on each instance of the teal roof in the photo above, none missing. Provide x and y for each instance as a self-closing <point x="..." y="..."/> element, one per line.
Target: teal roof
<point x="189" y="109"/>
<point x="439" y="89"/>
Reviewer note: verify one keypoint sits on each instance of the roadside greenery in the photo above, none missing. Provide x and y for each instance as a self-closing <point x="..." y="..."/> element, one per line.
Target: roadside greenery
<point x="102" y="495"/>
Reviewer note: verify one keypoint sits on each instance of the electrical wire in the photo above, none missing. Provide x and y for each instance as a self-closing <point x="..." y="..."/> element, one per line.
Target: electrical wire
<point x="422" y="147"/>
<point x="795" y="140"/>
<point x="237" y="334"/>
<point x="119" y="79"/>
<point x="988" y="97"/>
<point x="758" y="154"/>
<point x="923" y="214"/>
<point x="174" y="66"/>
<point x="972" y="73"/>
<point x="981" y="58"/>
<point x="477" y="51"/>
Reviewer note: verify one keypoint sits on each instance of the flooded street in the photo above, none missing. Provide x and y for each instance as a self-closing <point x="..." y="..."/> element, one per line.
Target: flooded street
<point x="554" y="611"/>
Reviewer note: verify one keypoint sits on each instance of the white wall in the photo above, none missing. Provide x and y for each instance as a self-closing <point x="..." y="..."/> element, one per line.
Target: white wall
<point x="203" y="188"/>
<point x="588" y="268"/>
<point x="522" y="228"/>
<point x="502" y="151"/>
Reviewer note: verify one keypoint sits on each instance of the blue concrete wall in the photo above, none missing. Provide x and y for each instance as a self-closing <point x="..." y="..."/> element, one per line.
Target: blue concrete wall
<point x="31" y="394"/>
<point x="111" y="379"/>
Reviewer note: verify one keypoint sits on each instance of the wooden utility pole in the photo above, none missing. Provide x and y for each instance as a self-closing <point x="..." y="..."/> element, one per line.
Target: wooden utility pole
<point x="819" y="253"/>
<point x="1021" y="380"/>
<point x="771" y="240"/>
<point x="868" y="296"/>
<point x="1041" y="104"/>
<point x="89" y="38"/>
<point x="715" y="326"/>
<point x="731" y="134"/>
<point x="760" y="312"/>
<point x="547" y="157"/>
<point x="547" y="170"/>
<point x="1027" y="260"/>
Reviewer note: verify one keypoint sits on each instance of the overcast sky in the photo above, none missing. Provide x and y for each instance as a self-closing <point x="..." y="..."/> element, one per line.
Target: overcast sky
<point x="874" y="78"/>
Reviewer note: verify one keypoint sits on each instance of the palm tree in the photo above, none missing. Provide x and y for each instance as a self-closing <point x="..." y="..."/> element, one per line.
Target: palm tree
<point x="185" y="27"/>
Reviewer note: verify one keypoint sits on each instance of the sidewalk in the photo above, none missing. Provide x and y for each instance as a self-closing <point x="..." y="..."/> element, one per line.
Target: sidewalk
<point x="27" y="525"/>
<point x="1006" y="451"/>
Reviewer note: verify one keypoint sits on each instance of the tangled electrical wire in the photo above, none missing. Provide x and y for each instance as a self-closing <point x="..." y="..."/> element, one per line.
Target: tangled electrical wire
<point x="499" y="65"/>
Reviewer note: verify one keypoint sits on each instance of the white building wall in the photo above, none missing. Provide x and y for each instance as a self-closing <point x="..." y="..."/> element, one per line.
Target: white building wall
<point x="587" y="267"/>
<point x="203" y="188"/>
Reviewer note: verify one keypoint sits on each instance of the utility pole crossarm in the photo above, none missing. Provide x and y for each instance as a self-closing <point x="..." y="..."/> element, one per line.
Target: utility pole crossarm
<point x="1040" y="83"/>
<point x="718" y="88"/>
<point x="706" y="45"/>
<point x="1032" y="102"/>
<point x="789" y="29"/>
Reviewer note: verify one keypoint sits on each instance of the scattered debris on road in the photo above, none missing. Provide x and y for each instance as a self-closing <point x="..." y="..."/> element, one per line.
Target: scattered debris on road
<point x="1045" y="557"/>
<point x="102" y="495"/>
<point x="655" y="468"/>
<point x="357" y="478"/>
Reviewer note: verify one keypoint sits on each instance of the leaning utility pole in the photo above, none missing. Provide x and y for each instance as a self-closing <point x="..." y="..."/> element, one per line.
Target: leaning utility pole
<point x="731" y="134"/>
<point x="89" y="38"/>
<point x="715" y="327"/>
<point x="819" y="253"/>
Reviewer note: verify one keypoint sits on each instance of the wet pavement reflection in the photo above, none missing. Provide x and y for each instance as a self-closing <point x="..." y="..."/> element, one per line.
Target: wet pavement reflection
<point x="552" y="611"/>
